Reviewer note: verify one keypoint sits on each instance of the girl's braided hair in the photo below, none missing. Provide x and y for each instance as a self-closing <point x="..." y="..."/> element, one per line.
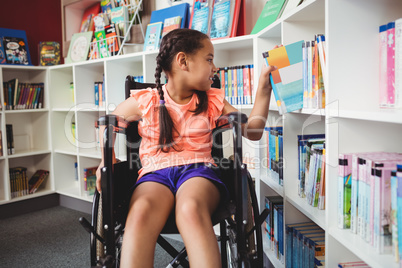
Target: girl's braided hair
<point x="179" y="40"/>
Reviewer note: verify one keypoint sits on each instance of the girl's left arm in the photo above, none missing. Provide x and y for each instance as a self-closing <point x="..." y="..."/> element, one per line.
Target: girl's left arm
<point x="254" y="128"/>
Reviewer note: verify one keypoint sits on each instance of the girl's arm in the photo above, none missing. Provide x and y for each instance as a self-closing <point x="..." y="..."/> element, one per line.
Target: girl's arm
<point x="129" y="111"/>
<point x="254" y="128"/>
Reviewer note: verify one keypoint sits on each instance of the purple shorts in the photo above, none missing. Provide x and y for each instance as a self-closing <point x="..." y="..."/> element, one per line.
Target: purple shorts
<point x="174" y="177"/>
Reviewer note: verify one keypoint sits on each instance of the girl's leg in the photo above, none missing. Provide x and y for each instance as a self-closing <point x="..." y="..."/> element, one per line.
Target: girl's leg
<point x="196" y="200"/>
<point x="150" y="207"/>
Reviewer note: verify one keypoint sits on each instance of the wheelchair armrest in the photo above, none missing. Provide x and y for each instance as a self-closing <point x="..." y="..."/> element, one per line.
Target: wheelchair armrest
<point x="118" y="123"/>
<point x="227" y="120"/>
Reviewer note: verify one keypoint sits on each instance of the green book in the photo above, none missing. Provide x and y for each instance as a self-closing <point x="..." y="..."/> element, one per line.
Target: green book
<point x="269" y="14"/>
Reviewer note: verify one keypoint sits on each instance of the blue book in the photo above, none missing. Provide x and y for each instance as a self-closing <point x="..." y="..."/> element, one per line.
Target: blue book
<point x="182" y="10"/>
<point x="220" y="23"/>
<point x="287" y="79"/>
<point x="153" y="36"/>
<point x="200" y="16"/>
<point x="17" y="52"/>
<point x="399" y="205"/>
<point x="96" y="88"/>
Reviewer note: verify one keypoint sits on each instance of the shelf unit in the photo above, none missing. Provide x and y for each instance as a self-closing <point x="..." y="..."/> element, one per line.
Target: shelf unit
<point x="351" y="120"/>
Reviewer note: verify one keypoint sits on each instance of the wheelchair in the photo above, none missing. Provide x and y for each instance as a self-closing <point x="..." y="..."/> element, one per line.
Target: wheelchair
<point x="240" y="219"/>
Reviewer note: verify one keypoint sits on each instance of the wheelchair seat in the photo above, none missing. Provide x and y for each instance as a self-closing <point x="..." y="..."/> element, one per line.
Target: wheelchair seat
<point x="240" y="219"/>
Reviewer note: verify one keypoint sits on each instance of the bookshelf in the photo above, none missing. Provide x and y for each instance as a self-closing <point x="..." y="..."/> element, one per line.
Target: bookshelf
<point x="351" y="120"/>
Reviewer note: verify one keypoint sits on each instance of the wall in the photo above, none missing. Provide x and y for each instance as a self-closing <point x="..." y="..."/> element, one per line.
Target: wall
<point x="41" y="20"/>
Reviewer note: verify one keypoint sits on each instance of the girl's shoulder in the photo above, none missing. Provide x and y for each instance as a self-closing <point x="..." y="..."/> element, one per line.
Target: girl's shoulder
<point x="146" y="98"/>
<point x="216" y="96"/>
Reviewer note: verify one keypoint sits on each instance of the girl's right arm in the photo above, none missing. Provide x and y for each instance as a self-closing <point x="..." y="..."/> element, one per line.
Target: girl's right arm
<point x="129" y="111"/>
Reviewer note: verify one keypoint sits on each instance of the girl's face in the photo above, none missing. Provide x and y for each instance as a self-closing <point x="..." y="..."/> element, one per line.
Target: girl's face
<point x="202" y="68"/>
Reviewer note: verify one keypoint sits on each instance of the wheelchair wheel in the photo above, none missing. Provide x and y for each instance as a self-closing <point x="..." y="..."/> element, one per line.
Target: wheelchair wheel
<point x="97" y="248"/>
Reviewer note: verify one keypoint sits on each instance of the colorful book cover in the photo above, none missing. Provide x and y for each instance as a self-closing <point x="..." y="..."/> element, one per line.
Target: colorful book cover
<point x="221" y="24"/>
<point x="287" y="79"/>
<point x="2" y="52"/>
<point x="153" y="36"/>
<point x="102" y="44"/>
<point x="305" y="47"/>
<point x="394" y="215"/>
<point x="399" y="204"/>
<point x="398" y="63"/>
<point x="383" y="65"/>
<point x="15" y="50"/>
<point x="269" y="14"/>
<point x="119" y="16"/>
<point x="49" y="53"/>
<point x="200" y="16"/>
<point x="391" y="64"/>
<point x="170" y="24"/>
<point x="112" y="39"/>
<point x="79" y="47"/>
<point x="90" y="180"/>
<point x="344" y="190"/>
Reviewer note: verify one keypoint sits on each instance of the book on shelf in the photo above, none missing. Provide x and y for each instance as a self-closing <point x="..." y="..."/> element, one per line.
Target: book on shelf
<point x="79" y="47"/>
<point x="102" y="44"/>
<point x="87" y="23"/>
<point x="289" y="240"/>
<point x="1" y="143"/>
<point x="182" y="10"/>
<point x="398" y="190"/>
<point x="90" y="180"/>
<point x="398" y="63"/>
<point x="19" y="96"/>
<point x="112" y="39"/>
<point x="18" y="181"/>
<point x="49" y="53"/>
<point x="10" y="139"/>
<point x="153" y="36"/>
<point x="275" y="153"/>
<point x="37" y="180"/>
<point x="351" y="264"/>
<point x="287" y="79"/>
<point x="119" y="16"/>
<point x="225" y="18"/>
<point x="201" y="15"/>
<point x="269" y="14"/>
<point x="101" y="20"/>
<point x="236" y="81"/>
<point x="170" y="24"/>
<point x="269" y="224"/>
<point x="344" y="189"/>
<point x="14" y="46"/>
<point x="107" y="6"/>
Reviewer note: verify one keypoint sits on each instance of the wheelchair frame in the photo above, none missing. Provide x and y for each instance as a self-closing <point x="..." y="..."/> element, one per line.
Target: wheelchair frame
<point x="236" y="235"/>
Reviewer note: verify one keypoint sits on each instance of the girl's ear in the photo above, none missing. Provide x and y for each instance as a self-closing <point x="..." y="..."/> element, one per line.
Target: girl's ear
<point x="181" y="61"/>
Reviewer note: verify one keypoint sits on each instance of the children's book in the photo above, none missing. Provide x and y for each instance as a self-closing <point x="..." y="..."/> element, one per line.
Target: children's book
<point x="287" y="79"/>
<point x="153" y="36"/>
<point x="112" y="39"/>
<point x="383" y="65"/>
<point x="79" y="47"/>
<point x="119" y="16"/>
<point x="394" y="214"/>
<point x="102" y="44"/>
<point x="221" y="22"/>
<point x="344" y="190"/>
<point x="15" y="49"/>
<point x="201" y="15"/>
<point x="49" y="53"/>
<point x="398" y="63"/>
<point x="2" y="53"/>
<point x="90" y="180"/>
<point x="87" y="18"/>
<point x="170" y="24"/>
<point x="268" y="15"/>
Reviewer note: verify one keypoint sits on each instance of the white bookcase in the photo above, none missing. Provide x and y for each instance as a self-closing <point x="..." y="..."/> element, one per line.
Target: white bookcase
<point x="351" y="120"/>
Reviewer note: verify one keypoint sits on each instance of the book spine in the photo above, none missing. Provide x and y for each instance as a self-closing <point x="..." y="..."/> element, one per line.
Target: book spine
<point x="399" y="205"/>
<point x="305" y="47"/>
<point x="310" y="75"/>
<point x="398" y="63"/>
<point x="394" y="213"/>
<point x="391" y="64"/>
<point x="360" y="197"/>
<point x="385" y="241"/>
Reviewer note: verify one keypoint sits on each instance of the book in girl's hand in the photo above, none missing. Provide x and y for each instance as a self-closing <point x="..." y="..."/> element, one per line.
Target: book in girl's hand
<point x="287" y="79"/>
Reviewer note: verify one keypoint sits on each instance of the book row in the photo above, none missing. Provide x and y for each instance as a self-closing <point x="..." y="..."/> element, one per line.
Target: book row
<point x="311" y="175"/>
<point x="390" y="58"/>
<point x="10" y="139"/>
<point x="368" y="198"/>
<point x="237" y="81"/>
<point x="273" y="225"/>
<point x="90" y="180"/>
<point x="20" y="184"/>
<point x="275" y="153"/>
<point x="300" y="75"/>
<point x="19" y="95"/>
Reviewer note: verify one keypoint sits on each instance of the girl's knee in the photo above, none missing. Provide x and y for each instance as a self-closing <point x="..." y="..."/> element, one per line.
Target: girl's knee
<point x="140" y="213"/>
<point x="192" y="212"/>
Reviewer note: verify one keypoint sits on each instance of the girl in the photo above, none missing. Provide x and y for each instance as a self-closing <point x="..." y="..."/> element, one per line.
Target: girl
<point x="175" y="150"/>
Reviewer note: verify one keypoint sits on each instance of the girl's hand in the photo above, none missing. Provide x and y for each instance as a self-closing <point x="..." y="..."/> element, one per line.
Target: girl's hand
<point x="264" y="82"/>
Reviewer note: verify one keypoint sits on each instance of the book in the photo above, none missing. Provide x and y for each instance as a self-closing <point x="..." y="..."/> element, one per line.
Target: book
<point x="394" y="215"/>
<point x="1" y="143"/>
<point x="182" y="10"/>
<point x="10" y="139"/>
<point x="201" y="15"/>
<point x="87" y="24"/>
<point x="391" y="64"/>
<point x="119" y="16"/>
<point x="18" y="35"/>
<point x="383" y="65"/>
<point x="398" y="63"/>
<point x="15" y="49"/>
<point x="112" y="40"/>
<point x="79" y="47"/>
<point x="2" y="52"/>
<point x="153" y="36"/>
<point x="269" y="14"/>
<point x="49" y="53"/>
<point x="101" y="20"/>
<point x="287" y="79"/>
<point x="18" y="181"/>
<point x="90" y="180"/>
<point x="222" y="18"/>
<point x="170" y="24"/>
<point x="106" y="6"/>
<point x="344" y="190"/>
<point x="270" y="201"/>
<point x="37" y="179"/>
<point x="102" y="44"/>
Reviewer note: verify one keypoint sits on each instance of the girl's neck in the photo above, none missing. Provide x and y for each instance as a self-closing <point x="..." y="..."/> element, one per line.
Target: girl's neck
<point x="178" y="94"/>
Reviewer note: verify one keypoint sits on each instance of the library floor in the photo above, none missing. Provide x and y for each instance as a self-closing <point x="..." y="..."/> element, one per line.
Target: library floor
<point x="51" y="238"/>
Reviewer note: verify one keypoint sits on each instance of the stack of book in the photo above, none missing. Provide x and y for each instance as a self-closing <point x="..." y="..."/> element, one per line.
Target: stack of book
<point x="369" y="195"/>
<point x="18" y="96"/>
<point x="305" y="245"/>
<point x="237" y="81"/>
<point x="275" y="153"/>
<point x="37" y="179"/>
<point x="311" y="156"/>
<point x="18" y="181"/>
<point x="273" y="225"/>
<point x="391" y="64"/>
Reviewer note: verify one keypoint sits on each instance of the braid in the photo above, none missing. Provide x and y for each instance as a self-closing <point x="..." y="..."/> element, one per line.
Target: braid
<point x="179" y="40"/>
